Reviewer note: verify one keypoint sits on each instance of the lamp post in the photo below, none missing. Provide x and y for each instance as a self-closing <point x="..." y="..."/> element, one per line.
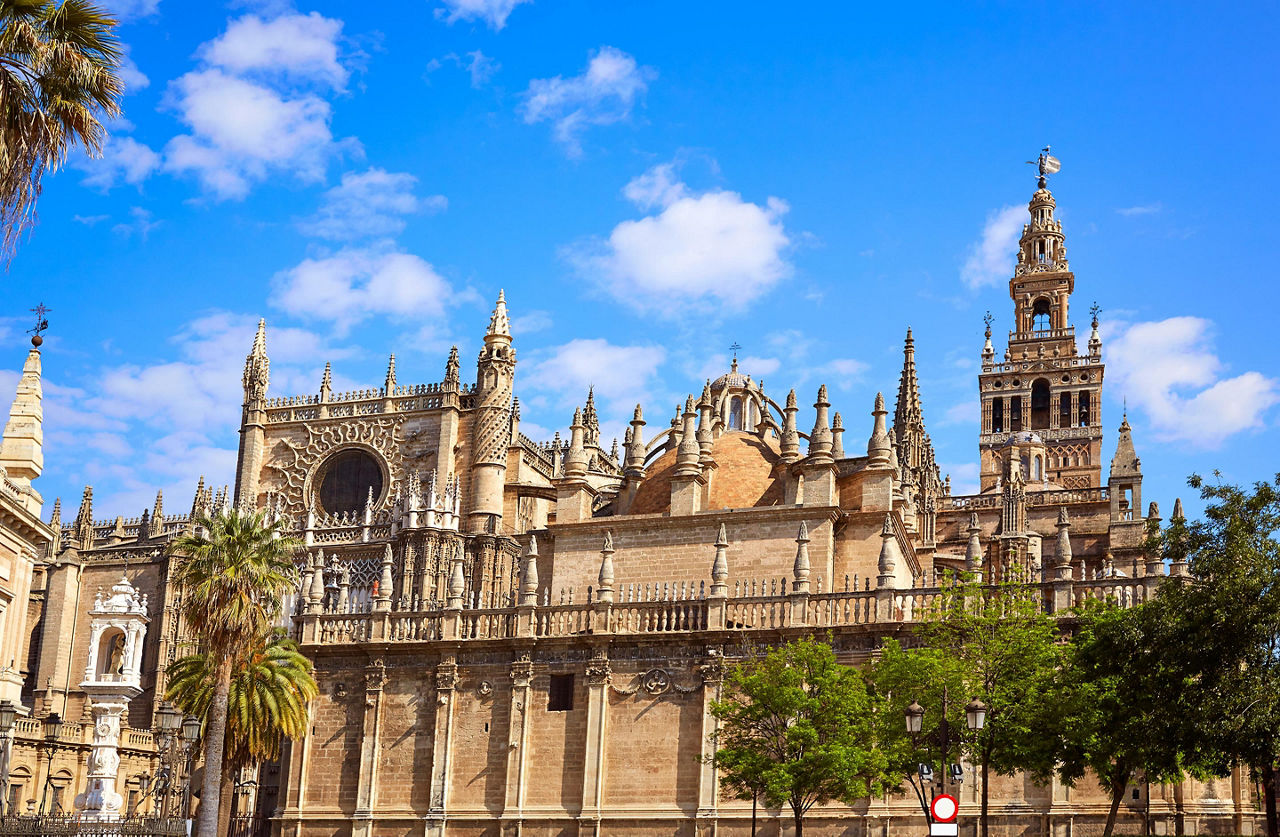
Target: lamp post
<point x="190" y="735"/>
<point x="168" y="723"/>
<point x="52" y="727"/>
<point x="8" y="714"/>
<point x="975" y="715"/>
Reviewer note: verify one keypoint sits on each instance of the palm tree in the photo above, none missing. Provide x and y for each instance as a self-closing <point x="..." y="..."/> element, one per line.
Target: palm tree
<point x="270" y="690"/>
<point x="235" y="569"/>
<point x="59" y="76"/>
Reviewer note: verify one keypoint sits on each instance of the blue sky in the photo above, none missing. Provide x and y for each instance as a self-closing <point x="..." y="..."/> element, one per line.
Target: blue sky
<point x="651" y="182"/>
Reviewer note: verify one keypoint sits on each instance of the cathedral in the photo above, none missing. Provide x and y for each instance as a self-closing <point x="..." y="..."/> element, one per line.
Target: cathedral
<point x="520" y="636"/>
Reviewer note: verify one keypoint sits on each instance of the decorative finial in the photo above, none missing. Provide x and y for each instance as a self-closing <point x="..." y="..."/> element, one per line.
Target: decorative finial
<point x="988" y="319"/>
<point x="42" y="324"/>
<point x="1095" y="311"/>
<point x="1045" y="165"/>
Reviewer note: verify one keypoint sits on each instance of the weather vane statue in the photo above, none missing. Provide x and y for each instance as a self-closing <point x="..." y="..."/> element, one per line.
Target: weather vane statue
<point x="1047" y="164"/>
<point x="42" y="324"/>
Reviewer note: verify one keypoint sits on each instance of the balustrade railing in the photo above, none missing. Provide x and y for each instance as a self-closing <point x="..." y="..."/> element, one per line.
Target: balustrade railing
<point x="757" y="607"/>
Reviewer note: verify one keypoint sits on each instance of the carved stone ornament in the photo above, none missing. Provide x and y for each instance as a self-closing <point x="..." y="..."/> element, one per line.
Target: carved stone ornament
<point x="301" y="461"/>
<point x="599" y="672"/>
<point x="446" y="677"/>
<point x="375" y="676"/>
<point x="485" y="688"/>
<point x="522" y="672"/>
<point x="339" y="690"/>
<point x="656" y="681"/>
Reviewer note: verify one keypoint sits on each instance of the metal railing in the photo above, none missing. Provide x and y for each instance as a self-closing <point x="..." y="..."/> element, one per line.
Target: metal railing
<point x="52" y="826"/>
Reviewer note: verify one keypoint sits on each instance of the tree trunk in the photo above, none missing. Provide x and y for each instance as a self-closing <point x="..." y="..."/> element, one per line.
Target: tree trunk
<point x="755" y="797"/>
<point x="1117" y="793"/>
<point x="799" y="818"/>
<point x="214" y="743"/>
<point x="1270" y="778"/>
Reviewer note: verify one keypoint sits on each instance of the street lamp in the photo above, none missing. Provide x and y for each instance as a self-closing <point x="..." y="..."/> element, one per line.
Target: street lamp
<point x="51" y="724"/>
<point x="8" y="714"/>
<point x="915" y="718"/>
<point x="975" y="715"/>
<point x="191" y="726"/>
<point x="190" y="729"/>
<point x="168" y="723"/>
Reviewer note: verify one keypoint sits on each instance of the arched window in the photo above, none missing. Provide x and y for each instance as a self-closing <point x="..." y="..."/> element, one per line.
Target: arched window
<point x="1036" y="468"/>
<point x="1084" y="410"/>
<point x="1064" y="410"/>
<point x="1041" y="316"/>
<point x="997" y="415"/>
<point x="1040" y="401"/>
<point x="752" y="416"/>
<point x="735" y="413"/>
<point x="1015" y="413"/>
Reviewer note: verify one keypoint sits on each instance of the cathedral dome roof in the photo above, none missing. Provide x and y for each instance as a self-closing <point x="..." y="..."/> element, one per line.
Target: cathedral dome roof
<point x="744" y="476"/>
<point x="733" y="379"/>
<point x="1025" y="437"/>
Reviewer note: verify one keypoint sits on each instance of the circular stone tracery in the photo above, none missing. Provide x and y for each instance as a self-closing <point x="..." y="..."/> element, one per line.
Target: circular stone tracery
<point x="346" y="479"/>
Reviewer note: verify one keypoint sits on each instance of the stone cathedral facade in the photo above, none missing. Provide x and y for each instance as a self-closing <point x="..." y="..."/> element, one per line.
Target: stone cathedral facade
<point x="519" y="636"/>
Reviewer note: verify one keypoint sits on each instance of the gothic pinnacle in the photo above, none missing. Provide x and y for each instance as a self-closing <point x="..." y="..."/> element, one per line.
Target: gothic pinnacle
<point x="499" y="322"/>
<point x="790" y="443"/>
<point x="390" y="383"/>
<point x="879" y="448"/>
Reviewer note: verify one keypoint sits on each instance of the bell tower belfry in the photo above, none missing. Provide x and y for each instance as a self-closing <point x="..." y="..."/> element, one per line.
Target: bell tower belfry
<point x="1045" y="386"/>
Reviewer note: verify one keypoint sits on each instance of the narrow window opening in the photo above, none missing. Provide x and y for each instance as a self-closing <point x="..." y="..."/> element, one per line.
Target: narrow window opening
<point x="997" y="416"/>
<point x="560" y="693"/>
<point x="1084" y="409"/>
<point x="1064" y="410"/>
<point x="1041" y="316"/>
<point x="1040" y="401"/>
<point x="1015" y="413"/>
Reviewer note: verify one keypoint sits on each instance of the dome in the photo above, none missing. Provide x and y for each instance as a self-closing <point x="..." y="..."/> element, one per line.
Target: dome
<point x="744" y="476"/>
<point x="733" y="379"/>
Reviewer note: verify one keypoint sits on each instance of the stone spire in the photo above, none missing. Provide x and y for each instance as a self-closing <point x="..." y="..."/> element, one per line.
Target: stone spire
<point x="499" y="322"/>
<point x="820" y="438"/>
<point x="1125" y="463"/>
<point x="705" y="436"/>
<point x="790" y="444"/>
<point x="529" y="574"/>
<point x="1062" y="567"/>
<point x="635" y="445"/>
<point x="973" y="553"/>
<point x="1177" y="511"/>
<point x="389" y="385"/>
<point x="837" y="437"/>
<point x="22" y="448"/>
<point x="326" y="382"/>
<point x="720" y="566"/>
<point x="576" y="460"/>
<point x="82" y="527"/>
<point x="800" y="570"/>
<point x="451" y="370"/>
<point x="156" y="528"/>
<point x="385" y="583"/>
<point x="591" y="420"/>
<point x="689" y="452"/>
<point x="257" y="368"/>
<point x="889" y="554"/>
<point x="879" y="448"/>
<point x="908" y="414"/>
<point x="604" y="592"/>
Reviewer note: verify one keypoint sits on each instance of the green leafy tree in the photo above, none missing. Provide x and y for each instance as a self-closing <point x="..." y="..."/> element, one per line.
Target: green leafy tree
<point x="797" y="727"/>
<point x="932" y="678"/>
<point x="233" y="571"/>
<point x="1229" y="613"/>
<point x="1007" y="651"/>
<point x="1122" y="701"/>
<point x="59" y="78"/>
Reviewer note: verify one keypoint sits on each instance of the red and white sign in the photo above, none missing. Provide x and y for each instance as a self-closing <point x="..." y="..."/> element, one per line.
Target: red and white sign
<point x="944" y="808"/>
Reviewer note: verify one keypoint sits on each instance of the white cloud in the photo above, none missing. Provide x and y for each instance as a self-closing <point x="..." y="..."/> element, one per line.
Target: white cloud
<point x="241" y="131"/>
<point x="702" y="251"/>
<point x="966" y="412"/>
<point x="659" y="186"/>
<point x="295" y="46"/>
<point x="356" y="283"/>
<point x="1170" y="371"/>
<point x="133" y="78"/>
<point x="131" y="9"/>
<point x="604" y="93"/>
<point x="140" y="222"/>
<point x="90" y="220"/>
<point x="845" y="372"/>
<point x="964" y="476"/>
<point x="123" y="159"/>
<point x="492" y="12"/>
<point x="1145" y="209"/>
<point x="531" y="321"/>
<point x="366" y="204"/>
<point x="991" y="259"/>
<point x="622" y="375"/>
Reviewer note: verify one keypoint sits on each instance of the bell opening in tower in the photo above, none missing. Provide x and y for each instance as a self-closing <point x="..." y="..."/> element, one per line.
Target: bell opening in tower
<point x="1040" y="401"/>
<point x="1041" y="317"/>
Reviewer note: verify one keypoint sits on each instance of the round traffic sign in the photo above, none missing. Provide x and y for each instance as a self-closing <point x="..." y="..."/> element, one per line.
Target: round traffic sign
<point x="944" y="808"/>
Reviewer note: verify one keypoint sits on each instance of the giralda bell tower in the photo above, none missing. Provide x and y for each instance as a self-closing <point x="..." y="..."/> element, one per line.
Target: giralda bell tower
<point x="1044" y="386"/>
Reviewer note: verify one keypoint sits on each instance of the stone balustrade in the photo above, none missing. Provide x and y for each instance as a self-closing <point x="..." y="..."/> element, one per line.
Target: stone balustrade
<point x="757" y="609"/>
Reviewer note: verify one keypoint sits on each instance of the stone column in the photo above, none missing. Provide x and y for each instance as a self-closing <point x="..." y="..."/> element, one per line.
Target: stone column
<point x="375" y="677"/>
<point x="101" y="801"/>
<point x="712" y="670"/>
<point x="442" y="741"/>
<point x="517" y="746"/>
<point x="598" y="676"/>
